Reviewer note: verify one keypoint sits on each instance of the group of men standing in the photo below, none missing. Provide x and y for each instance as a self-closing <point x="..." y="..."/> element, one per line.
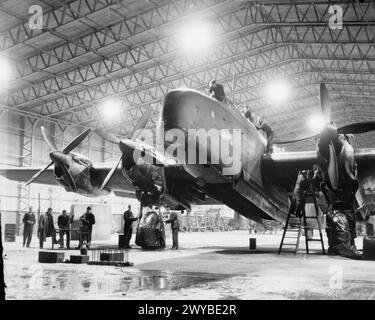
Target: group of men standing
<point x="46" y="227"/>
<point x="128" y="227"/>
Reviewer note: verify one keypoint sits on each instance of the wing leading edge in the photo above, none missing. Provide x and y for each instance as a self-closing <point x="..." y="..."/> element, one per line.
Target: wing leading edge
<point x="284" y="166"/>
<point x="23" y="174"/>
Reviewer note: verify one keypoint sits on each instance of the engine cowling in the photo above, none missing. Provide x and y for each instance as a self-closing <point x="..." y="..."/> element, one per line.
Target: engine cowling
<point x="76" y="174"/>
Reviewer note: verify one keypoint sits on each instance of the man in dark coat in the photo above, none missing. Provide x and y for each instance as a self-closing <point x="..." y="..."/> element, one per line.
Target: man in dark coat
<point x="216" y="91"/>
<point x="269" y="133"/>
<point x="63" y="221"/>
<point x="300" y="191"/>
<point x="87" y="221"/>
<point x="249" y="116"/>
<point x="28" y="226"/>
<point x="128" y="226"/>
<point x="46" y="228"/>
<point x="173" y="220"/>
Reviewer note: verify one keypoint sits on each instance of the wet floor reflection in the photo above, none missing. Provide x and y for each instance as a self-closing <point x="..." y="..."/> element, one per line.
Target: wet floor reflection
<point x="44" y="282"/>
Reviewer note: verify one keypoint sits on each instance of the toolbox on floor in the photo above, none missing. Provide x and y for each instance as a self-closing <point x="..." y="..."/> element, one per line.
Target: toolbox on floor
<point x="118" y="256"/>
<point x="79" y="259"/>
<point x="369" y="248"/>
<point x="51" y="256"/>
<point x="10" y="233"/>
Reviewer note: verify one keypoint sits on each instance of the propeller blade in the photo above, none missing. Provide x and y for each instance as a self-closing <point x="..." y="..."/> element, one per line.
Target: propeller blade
<point x="48" y="139"/>
<point x="141" y="124"/>
<point x="361" y="127"/>
<point x="128" y="147"/>
<point x="333" y="167"/>
<point x="110" y="174"/>
<point x="107" y="136"/>
<point x="35" y="176"/>
<point x="77" y="141"/>
<point x="69" y="178"/>
<point x="295" y="140"/>
<point x="324" y="103"/>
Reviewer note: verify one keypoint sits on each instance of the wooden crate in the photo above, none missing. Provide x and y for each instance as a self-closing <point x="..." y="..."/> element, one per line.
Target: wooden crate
<point x="10" y="233"/>
<point x="79" y="259"/>
<point x="51" y="256"/>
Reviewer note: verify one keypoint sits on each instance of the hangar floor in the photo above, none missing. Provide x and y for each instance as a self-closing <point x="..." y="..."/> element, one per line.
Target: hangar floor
<point x="212" y="265"/>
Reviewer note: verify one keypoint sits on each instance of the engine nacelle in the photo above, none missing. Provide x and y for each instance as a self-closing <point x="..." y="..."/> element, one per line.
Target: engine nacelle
<point x="76" y="174"/>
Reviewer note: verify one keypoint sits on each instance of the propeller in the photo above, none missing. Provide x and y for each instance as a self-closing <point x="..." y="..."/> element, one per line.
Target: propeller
<point x="141" y="124"/>
<point x="48" y="139"/>
<point x="333" y="173"/>
<point x="69" y="178"/>
<point x="107" y="136"/>
<point x="111" y="173"/>
<point x="324" y="103"/>
<point x="51" y="143"/>
<point x="326" y="111"/>
<point x="126" y="145"/>
<point x="327" y="134"/>
<point x="35" y="176"/>
<point x="354" y="128"/>
<point x="295" y="140"/>
<point x="76" y="141"/>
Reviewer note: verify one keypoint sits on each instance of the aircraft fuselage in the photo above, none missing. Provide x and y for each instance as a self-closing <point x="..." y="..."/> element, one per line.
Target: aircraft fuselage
<point x="246" y="191"/>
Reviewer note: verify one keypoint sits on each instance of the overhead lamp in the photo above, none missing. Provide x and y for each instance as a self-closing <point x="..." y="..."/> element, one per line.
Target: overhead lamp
<point x="316" y="122"/>
<point x="110" y="108"/>
<point x="194" y="37"/>
<point x="277" y="91"/>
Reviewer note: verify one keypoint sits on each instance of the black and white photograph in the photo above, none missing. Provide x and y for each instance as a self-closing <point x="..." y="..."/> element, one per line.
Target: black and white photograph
<point x="184" y="156"/>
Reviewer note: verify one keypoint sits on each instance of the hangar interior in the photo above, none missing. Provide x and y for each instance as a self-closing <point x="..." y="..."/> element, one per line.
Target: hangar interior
<point x="103" y="63"/>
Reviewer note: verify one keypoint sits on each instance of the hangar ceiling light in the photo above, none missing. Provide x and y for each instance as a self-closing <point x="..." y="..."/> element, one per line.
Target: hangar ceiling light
<point x="195" y="37"/>
<point x="316" y="122"/>
<point x="277" y="92"/>
<point x="110" y="109"/>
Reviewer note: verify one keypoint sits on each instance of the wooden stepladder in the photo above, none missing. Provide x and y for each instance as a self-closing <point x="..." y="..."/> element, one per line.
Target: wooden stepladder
<point x="295" y="224"/>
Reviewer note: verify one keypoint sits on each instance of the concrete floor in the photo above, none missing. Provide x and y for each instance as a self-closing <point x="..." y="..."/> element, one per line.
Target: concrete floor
<point x="212" y="265"/>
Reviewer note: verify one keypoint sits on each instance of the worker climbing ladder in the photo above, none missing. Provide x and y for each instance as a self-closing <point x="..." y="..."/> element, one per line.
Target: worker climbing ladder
<point x="297" y="221"/>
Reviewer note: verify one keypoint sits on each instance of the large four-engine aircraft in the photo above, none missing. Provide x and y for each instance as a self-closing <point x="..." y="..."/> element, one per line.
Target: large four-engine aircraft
<point x="258" y="189"/>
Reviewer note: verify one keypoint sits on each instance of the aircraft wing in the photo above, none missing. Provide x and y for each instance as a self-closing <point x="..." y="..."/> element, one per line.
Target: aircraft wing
<point x="283" y="167"/>
<point x="284" y="164"/>
<point x="365" y="159"/>
<point x="23" y="174"/>
<point x="118" y="184"/>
